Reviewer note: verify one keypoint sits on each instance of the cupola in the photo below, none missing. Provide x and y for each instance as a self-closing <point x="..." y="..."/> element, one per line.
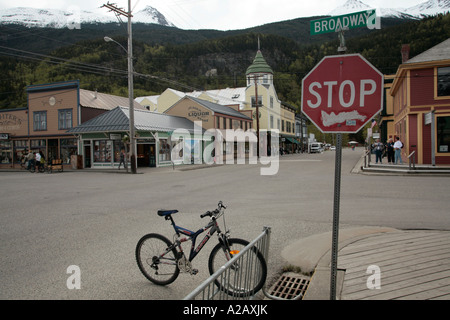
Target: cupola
<point x="261" y="70"/>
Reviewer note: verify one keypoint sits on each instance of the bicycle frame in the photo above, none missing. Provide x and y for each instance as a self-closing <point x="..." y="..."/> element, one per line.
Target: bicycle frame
<point x="192" y="236"/>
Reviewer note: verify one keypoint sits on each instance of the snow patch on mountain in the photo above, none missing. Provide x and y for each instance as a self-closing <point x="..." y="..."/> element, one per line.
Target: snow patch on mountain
<point x="74" y="16"/>
<point x="428" y="8"/>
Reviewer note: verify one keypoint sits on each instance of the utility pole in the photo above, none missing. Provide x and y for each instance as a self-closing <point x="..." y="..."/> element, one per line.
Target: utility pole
<point x="128" y="15"/>
<point x="257" y="114"/>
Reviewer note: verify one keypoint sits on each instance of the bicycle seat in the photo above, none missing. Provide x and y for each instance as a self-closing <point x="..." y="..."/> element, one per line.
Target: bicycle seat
<point x="163" y="213"/>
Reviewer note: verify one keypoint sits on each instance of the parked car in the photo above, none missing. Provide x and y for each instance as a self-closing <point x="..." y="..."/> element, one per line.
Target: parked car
<point x="315" y="147"/>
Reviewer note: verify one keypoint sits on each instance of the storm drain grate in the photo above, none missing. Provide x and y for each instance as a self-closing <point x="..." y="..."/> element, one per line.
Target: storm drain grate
<point x="290" y="286"/>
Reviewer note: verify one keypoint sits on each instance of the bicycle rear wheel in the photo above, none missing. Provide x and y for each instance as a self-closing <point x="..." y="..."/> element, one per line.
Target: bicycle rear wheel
<point x="246" y="276"/>
<point x="155" y="260"/>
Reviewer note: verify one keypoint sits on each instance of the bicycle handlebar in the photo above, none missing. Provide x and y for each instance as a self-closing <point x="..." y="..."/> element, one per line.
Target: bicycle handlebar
<point x="215" y="212"/>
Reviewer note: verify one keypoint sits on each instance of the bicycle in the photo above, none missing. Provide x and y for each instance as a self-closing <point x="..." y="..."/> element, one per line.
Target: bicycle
<point x="161" y="260"/>
<point x="41" y="167"/>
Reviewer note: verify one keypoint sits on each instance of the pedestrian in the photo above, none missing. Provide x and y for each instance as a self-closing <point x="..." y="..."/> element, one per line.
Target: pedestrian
<point x="398" y="145"/>
<point x="30" y="159"/>
<point x="122" y="159"/>
<point x="42" y="162"/>
<point x="37" y="157"/>
<point x="378" y="151"/>
<point x="390" y="150"/>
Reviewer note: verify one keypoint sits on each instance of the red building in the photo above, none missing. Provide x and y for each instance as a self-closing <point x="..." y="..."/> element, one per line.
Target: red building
<point x="421" y="100"/>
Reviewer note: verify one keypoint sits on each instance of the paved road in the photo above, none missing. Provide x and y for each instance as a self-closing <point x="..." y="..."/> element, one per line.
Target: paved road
<point x="94" y="220"/>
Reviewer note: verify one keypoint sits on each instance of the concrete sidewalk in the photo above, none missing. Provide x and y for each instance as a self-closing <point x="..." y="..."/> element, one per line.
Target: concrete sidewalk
<point x="376" y="264"/>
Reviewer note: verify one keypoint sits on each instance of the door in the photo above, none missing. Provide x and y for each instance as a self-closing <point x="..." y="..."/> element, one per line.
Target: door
<point x="87" y="156"/>
<point x="152" y="155"/>
<point x="53" y="149"/>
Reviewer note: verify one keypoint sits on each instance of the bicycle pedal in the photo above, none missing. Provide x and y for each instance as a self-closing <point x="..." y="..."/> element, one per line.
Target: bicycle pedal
<point x="194" y="272"/>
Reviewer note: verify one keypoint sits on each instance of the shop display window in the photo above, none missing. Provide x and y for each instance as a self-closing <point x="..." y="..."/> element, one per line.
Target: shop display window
<point x="68" y="148"/>
<point x="443" y="134"/>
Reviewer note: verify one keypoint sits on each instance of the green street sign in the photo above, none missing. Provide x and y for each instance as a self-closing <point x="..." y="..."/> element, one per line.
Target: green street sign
<point x="348" y="21"/>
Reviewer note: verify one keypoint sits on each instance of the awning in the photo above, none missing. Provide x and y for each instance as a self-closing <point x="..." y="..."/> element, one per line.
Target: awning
<point x="292" y="140"/>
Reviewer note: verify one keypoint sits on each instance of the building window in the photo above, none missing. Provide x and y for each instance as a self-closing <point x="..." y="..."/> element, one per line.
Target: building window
<point x="64" y="119"/>
<point x="278" y="124"/>
<point x="271" y="102"/>
<point x="443" y="134"/>
<point x="164" y="150"/>
<point x="38" y="145"/>
<point x="443" y="82"/>
<point x="271" y="122"/>
<point x="218" y="122"/>
<point x="5" y="151"/>
<point x="40" y="120"/>
<point x="102" y="150"/>
<point x="68" y="148"/>
<point x="224" y="123"/>
<point x="282" y="125"/>
<point x="20" y="146"/>
<point x="254" y="101"/>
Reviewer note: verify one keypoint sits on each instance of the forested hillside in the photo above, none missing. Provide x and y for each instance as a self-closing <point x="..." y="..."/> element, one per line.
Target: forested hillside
<point x="184" y="66"/>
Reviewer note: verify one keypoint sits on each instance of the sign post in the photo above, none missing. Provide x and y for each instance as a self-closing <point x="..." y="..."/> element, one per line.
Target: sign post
<point x="341" y="94"/>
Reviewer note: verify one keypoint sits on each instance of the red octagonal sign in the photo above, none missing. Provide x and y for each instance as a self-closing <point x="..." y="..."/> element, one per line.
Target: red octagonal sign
<point x="342" y="93"/>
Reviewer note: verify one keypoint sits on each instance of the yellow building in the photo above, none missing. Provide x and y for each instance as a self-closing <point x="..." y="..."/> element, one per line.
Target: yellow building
<point x="386" y="123"/>
<point x="272" y="113"/>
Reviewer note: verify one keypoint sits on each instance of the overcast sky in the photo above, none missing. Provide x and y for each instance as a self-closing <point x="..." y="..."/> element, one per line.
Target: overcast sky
<point x="217" y="14"/>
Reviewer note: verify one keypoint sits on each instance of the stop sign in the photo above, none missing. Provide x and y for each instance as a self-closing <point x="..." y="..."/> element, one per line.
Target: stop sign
<point x="342" y="93"/>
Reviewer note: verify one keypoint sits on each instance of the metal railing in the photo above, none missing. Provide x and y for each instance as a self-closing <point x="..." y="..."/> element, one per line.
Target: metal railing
<point x="209" y="290"/>
<point x="413" y="160"/>
<point x="367" y="158"/>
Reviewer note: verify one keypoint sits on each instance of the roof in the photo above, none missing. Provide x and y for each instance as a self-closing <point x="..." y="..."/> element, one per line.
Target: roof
<point x="117" y="120"/>
<point x="97" y="100"/>
<point x="436" y="53"/>
<point x="259" y="65"/>
<point x="218" y="108"/>
<point x="228" y="96"/>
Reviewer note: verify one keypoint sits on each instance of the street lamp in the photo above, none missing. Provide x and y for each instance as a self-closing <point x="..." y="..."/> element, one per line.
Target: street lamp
<point x="108" y="39"/>
<point x="130" y="96"/>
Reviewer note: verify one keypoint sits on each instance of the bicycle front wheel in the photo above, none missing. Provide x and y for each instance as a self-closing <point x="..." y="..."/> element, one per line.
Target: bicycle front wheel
<point x="156" y="261"/>
<point x="246" y="275"/>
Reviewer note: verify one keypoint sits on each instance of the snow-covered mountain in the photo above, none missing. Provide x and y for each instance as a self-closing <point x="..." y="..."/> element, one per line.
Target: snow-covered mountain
<point x="72" y="17"/>
<point x="348" y="7"/>
<point x="430" y="7"/>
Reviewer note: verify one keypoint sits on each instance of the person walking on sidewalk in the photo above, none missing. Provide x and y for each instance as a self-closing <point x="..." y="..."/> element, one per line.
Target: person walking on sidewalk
<point x="122" y="159"/>
<point x="398" y="145"/>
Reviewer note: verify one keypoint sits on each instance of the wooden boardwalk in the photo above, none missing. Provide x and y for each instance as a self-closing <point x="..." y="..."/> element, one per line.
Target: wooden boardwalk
<point x="412" y="265"/>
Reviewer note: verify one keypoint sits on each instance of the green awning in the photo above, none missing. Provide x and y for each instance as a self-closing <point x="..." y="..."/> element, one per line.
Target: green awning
<point x="292" y="140"/>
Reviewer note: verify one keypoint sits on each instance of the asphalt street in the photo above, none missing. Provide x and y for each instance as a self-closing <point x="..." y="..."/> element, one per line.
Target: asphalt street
<point x="93" y="220"/>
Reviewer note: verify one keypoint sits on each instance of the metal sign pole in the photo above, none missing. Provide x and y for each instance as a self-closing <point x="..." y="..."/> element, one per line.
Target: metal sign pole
<point x="336" y="205"/>
<point x="337" y="193"/>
